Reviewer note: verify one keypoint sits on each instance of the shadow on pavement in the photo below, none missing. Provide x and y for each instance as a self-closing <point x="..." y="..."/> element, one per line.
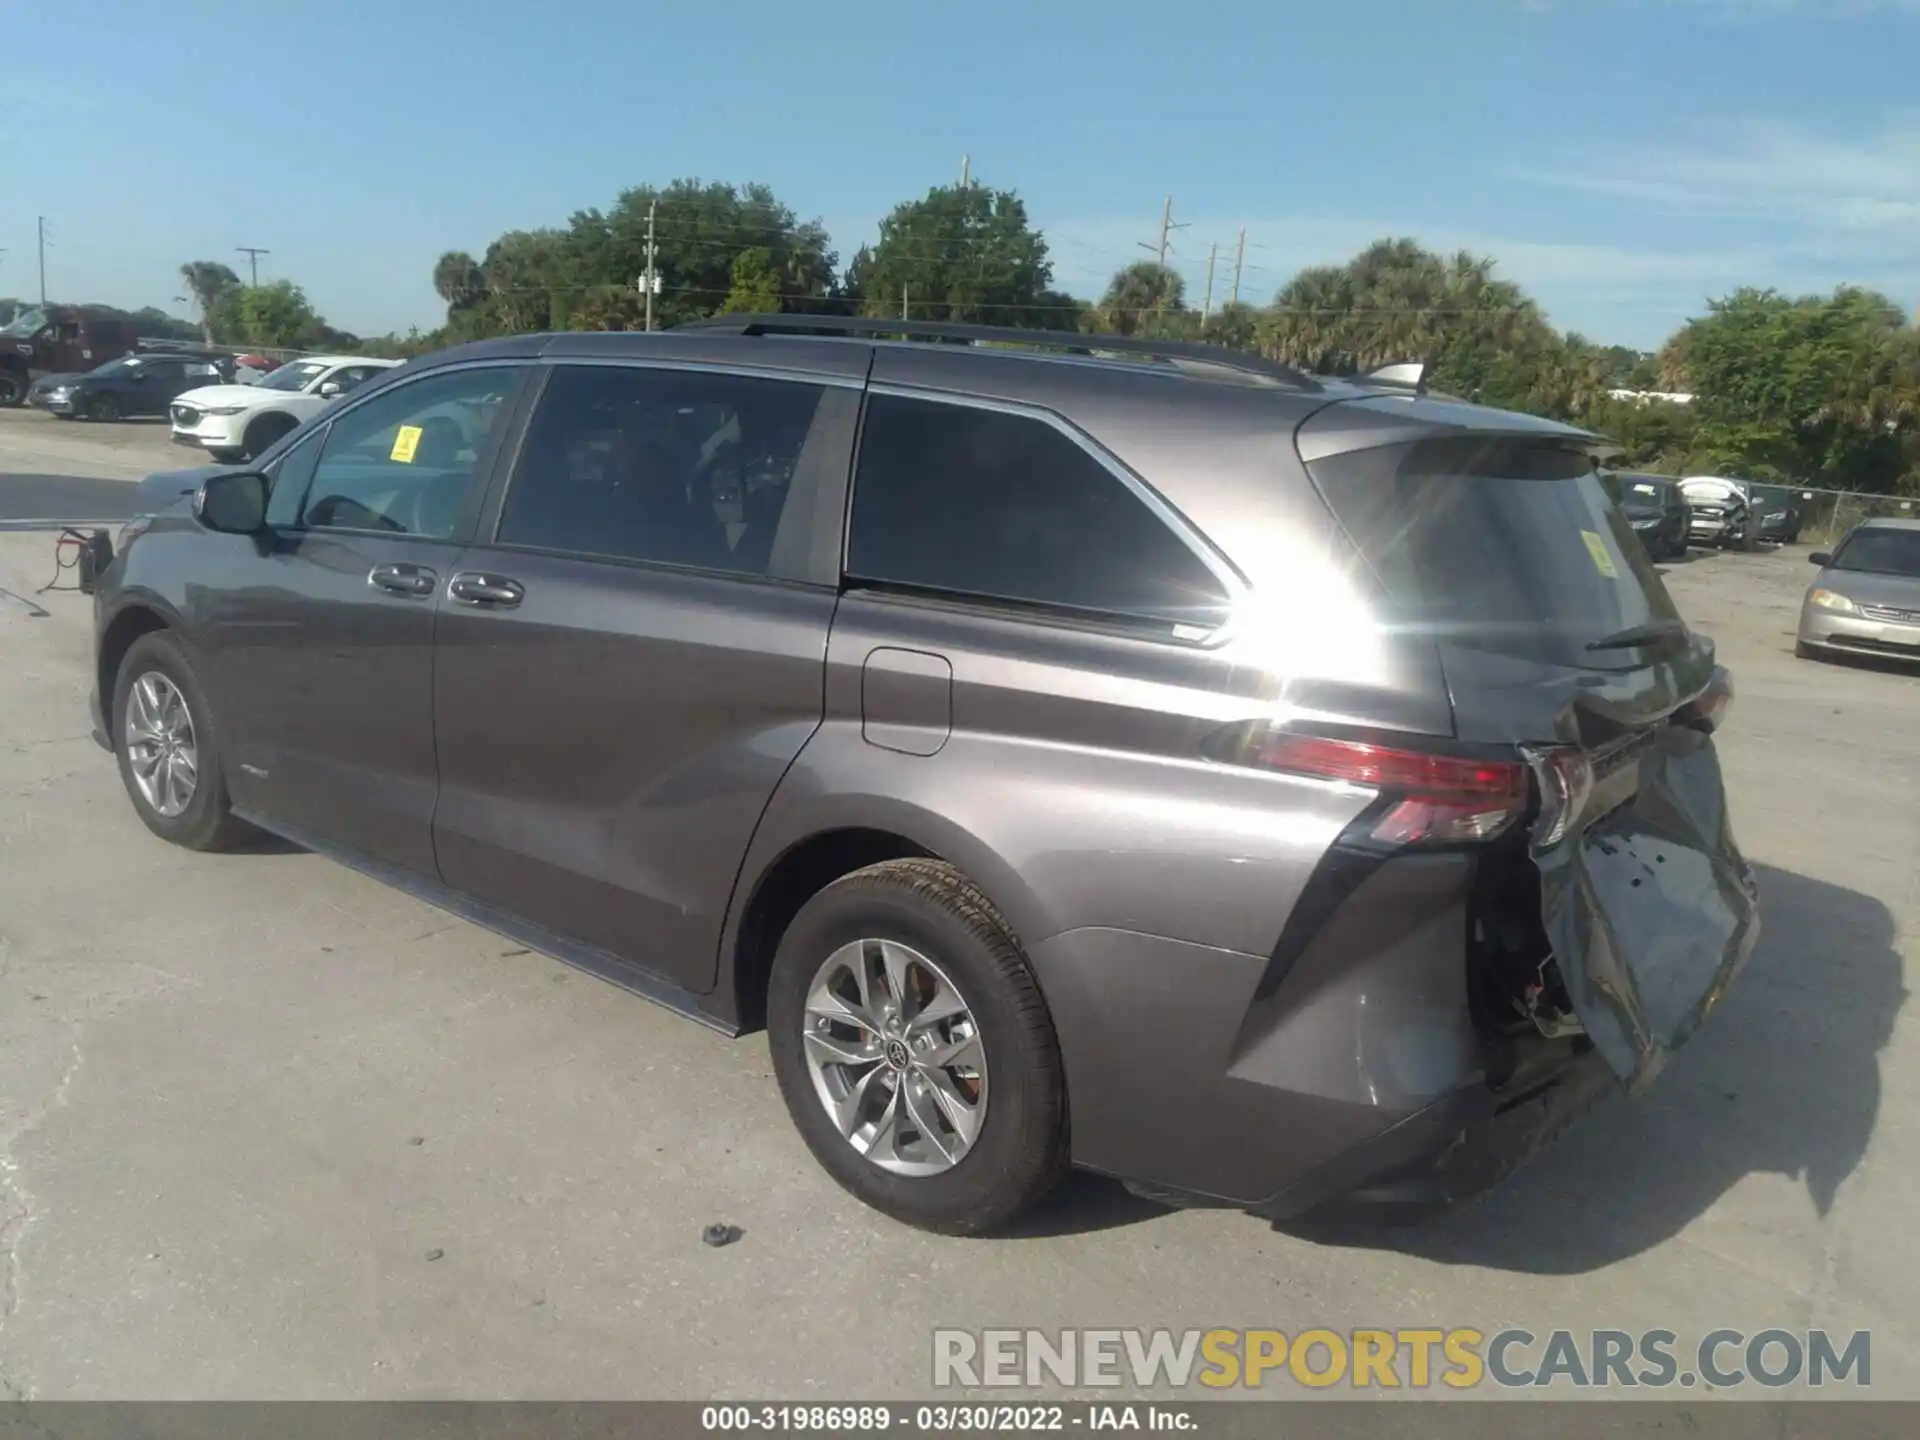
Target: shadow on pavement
<point x="1785" y="1080"/>
<point x="1084" y="1203"/>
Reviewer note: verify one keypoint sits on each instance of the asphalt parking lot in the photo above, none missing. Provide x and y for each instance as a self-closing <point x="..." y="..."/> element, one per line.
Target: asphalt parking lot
<point x="269" y="1130"/>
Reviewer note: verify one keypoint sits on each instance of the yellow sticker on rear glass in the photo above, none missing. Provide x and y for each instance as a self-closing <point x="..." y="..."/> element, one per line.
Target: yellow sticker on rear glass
<point x="407" y="439"/>
<point x="1602" y="557"/>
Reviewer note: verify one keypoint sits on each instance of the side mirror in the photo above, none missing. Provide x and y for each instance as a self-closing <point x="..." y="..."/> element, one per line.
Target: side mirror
<point x="1821" y="558"/>
<point x="232" y="504"/>
<point x="330" y="389"/>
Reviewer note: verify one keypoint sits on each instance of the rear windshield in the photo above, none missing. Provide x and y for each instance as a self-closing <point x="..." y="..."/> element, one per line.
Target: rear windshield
<point x="1501" y="544"/>
<point x="1885" y="552"/>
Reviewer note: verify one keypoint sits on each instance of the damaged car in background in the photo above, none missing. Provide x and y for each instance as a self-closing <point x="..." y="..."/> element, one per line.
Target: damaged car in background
<point x="1276" y="791"/>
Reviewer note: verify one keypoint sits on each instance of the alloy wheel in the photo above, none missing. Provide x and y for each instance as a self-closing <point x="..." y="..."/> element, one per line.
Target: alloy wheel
<point x="161" y="750"/>
<point x="896" y="1057"/>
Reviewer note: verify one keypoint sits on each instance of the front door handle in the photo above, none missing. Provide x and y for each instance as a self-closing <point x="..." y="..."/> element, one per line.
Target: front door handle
<point x="495" y="592"/>
<point x="402" y="579"/>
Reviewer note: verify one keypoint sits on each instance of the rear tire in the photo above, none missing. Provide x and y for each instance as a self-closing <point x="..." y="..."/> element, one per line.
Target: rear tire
<point x="928" y="910"/>
<point x="262" y="434"/>
<point x="171" y="719"/>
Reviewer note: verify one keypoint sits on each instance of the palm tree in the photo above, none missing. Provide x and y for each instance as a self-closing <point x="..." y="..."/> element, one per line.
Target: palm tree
<point x="1138" y="292"/>
<point x="210" y="283"/>
<point x="457" y="280"/>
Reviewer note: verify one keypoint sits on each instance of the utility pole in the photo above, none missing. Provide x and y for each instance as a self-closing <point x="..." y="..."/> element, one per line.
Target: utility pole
<point x="43" y="262"/>
<point x="1167" y="226"/>
<point x="1206" y="305"/>
<point x="903" y="304"/>
<point x="652" y="205"/>
<point x="1239" y="259"/>
<point x="966" y="171"/>
<point x="253" y="254"/>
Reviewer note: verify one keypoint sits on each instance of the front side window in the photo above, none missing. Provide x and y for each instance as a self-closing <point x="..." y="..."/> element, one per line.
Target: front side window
<point x="983" y="504"/>
<point x="349" y="377"/>
<point x="675" y="467"/>
<point x="402" y="462"/>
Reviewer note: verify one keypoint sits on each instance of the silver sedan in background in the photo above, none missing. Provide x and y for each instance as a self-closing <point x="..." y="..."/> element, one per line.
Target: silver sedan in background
<point x="1866" y="598"/>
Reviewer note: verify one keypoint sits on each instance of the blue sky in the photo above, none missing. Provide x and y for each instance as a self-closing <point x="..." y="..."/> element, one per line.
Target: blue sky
<point x="1622" y="160"/>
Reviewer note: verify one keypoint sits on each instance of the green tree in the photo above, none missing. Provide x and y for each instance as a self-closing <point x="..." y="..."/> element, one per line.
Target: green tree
<point x="609" y="307"/>
<point x="215" y="291"/>
<point x="278" y="315"/>
<point x="1816" y="389"/>
<point x="756" y="284"/>
<point x="458" y="280"/>
<point x="1482" y="336"/>
<point x="1139" y="295"/>
<point x="700" y="229"/>
<point x="964" y="253"/>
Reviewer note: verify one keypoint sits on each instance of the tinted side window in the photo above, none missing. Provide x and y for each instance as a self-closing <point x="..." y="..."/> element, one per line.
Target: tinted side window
<point x="979" y="502"/>
<point x="673" y="466"/>
<point x="402" y="462"/>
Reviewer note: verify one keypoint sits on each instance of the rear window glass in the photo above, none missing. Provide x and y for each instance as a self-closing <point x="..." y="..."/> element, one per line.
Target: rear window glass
<point x="1501" y="544"/>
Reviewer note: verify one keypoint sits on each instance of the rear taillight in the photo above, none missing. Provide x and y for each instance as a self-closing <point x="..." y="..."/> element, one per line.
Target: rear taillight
<point x="1709" y="708"/>
<point x="1436" y="799"/>
<point x="1566" y="780"/>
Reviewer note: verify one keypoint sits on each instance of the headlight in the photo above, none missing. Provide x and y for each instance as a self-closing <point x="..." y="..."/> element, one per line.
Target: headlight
<point x="223" y="410"/>
<point x="1831" y="600"/>
<point x="59" y="392"/>
<point x="1645" y="524"/>
<point x="1777" y="515"/>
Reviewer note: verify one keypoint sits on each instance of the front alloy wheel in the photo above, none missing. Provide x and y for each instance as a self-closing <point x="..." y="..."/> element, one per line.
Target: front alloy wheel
<point x="896" y="1057"/>
<point x="161" y="750"/>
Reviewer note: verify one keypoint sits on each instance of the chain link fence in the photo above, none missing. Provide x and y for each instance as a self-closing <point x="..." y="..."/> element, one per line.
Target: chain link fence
<point x="1827" y="515"/>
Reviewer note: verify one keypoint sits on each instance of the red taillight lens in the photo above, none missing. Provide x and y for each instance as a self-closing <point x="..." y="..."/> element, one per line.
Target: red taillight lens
<point x="1709" y="708"/>
<point x="1439" y="798"/>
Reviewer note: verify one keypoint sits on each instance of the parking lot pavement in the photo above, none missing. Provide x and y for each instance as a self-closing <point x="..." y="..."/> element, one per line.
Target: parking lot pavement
<point x="245" y="1101"/>
<point x="35" y="443"/>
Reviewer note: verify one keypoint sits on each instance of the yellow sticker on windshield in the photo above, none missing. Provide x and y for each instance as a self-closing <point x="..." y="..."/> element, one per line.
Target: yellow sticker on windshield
<point x="1602" y="557"/>
<point x="407" y="439"/>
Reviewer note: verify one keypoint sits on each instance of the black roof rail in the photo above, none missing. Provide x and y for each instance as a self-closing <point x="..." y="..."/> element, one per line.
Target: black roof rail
<point x="1073" y="342"/>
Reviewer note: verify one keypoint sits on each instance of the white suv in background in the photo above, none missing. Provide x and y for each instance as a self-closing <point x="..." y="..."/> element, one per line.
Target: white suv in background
<point x="237" y="422"/>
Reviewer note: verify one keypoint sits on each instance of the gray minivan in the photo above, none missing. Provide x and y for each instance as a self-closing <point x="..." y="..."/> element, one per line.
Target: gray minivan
<point x="1272" y="790"/>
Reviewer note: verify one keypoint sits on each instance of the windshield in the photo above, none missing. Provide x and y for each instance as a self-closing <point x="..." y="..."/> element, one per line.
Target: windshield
<point x="297" y="376"/>
<point x="124" y="365"/>
<point x="1644" y="494"/>
<point x="26" y="324"/>
<point x="1497" y="543"/>
<point x="1884" y="552"/>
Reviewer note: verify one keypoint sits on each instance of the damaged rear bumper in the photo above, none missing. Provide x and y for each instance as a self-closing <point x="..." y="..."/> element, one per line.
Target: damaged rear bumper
<point x="1453" y="1150"/>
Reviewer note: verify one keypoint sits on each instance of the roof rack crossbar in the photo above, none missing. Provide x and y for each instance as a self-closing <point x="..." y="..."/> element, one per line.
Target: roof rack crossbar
<point x="1073" y="342"/>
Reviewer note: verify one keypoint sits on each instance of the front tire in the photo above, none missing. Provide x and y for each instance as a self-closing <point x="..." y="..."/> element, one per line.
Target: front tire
<point x="262" y="434"/>
<point x="168" y="745"/>
<point x="227" y="457"/>
<point x="104" y="408"/>
<point x="915" y="1051"/>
